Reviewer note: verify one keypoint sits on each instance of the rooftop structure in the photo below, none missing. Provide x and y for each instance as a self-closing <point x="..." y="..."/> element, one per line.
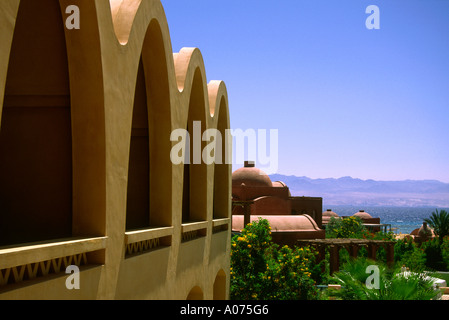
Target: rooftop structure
<point x="422" y="233"/>
<point x="327" y="215"/>
<point x="256" y="196"/>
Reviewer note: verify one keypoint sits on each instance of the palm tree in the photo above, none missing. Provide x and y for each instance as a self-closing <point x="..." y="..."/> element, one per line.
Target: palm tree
<point x="439" y="222"/>
<point x="392" y="283"/>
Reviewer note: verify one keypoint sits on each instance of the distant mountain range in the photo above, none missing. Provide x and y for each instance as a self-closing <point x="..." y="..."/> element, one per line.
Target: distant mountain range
<point x="351" y="191"/>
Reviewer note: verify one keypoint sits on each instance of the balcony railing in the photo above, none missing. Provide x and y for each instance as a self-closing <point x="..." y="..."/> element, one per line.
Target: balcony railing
<point x="141" y="241"/>
<point x="220" y="225"/>
<point x="193" y="230"/>
<point x="36" y="260"/>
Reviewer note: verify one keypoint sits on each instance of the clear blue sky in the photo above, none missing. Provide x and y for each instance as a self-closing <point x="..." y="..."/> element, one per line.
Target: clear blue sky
<point x="348" y="101"/>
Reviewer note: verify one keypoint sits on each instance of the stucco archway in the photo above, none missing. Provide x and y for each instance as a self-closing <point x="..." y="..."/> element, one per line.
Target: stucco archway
<point x="36" y="130"/>
<point x="149" y="179"/>
<point x="195" y="294"/>
<point x="220" y="286"/>
<point x="223" y="150"/>
<point x="195" y="170"/>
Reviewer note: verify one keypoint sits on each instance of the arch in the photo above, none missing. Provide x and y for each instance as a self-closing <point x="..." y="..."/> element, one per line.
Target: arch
<point x="154" y="55"/>
<point x="36" y="130"/>
<point x="149" y="177"/>
<point x="88" y="122"/>
<point x="138" y="190"/>
<point x="195" y="294"/>
<point x="223" y="164"/>
<point x="195" y="170"/>
<point x="220" y="285"/>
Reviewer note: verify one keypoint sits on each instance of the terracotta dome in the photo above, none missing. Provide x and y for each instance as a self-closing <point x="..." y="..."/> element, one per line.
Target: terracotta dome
<point x="329" y="213"/>
<point x="251" y="176"/>
<point x="425" y="231"/>
<point x="279" y="184"/>
<point x="363" y="215"/>
<point x="280" y="223"/>
<point x="285" y="230"/>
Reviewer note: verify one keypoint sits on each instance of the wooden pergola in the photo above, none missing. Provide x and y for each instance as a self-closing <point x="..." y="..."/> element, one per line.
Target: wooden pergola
<point x="351" y="245"/>
<point x="246" y="205"/>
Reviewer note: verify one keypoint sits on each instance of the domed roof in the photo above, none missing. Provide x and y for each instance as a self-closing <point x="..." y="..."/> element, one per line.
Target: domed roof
<point x="279" y="184"/>
<point x="280" y="223"/>
<point x="251" y="176"/>
<point x="363" y="215"/>
<point x="330" y="213"/>
<point x="425" y="231"/>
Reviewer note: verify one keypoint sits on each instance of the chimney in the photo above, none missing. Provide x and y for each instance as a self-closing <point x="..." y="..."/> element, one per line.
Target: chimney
<point x="250" y="164"/>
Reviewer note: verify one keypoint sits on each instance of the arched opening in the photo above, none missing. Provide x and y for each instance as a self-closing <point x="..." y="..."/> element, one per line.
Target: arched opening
<point x="35" y="132"/>
<point x="220" y="286"/>
<point x="150" y="169"/>
<point x="159" y="112"/>
<point x="222" y="172"/>
<point x="195" y="294"/>
<point x="138" y="198"/>
<point x="195" y="170"/>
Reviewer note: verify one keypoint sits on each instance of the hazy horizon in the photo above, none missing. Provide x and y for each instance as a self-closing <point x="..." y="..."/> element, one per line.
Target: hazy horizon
<point x="357" y="192"/>
<point x="337" y="178"/>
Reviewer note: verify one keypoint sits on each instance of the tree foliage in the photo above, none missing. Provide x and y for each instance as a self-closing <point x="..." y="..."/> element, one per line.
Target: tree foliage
<point x="391" y="284"/>
<point x="261" y="270"/>
<point x="439" y="222"/>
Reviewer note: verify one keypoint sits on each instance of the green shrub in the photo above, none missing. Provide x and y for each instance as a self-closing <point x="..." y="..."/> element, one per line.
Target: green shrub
<point x="445" y="251"/>
<point x="434" y="255"/>
<point x="393" y="285"/>
<point x="407" y="253"/>
<point x="351" y="227"/>
<point x="260" y="270"/>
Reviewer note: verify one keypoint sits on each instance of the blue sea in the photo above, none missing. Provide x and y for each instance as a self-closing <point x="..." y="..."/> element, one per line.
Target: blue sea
<point x="404" y="219"/>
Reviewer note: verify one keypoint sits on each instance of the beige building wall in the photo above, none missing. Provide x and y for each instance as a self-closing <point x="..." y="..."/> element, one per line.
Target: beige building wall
<point x="85" y="172"/>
